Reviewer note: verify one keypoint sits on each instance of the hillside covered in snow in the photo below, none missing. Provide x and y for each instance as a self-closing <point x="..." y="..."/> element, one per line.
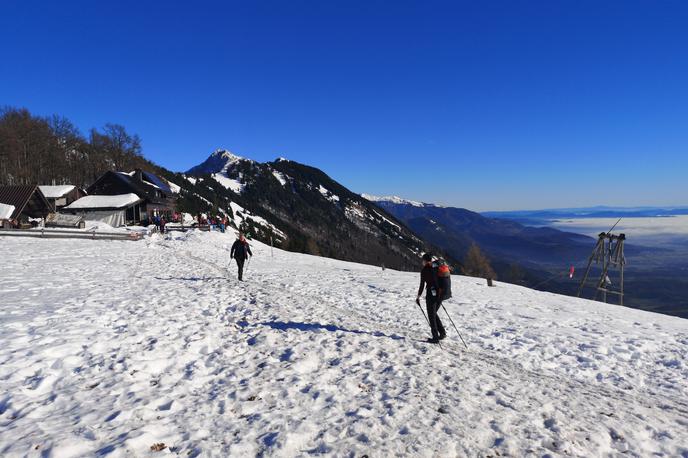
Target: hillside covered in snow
<point x="123" y="348"/>
<point x="305" y="210"/>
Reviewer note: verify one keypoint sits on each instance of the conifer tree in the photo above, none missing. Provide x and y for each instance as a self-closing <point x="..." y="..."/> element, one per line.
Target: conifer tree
<point x="476" y="264"/>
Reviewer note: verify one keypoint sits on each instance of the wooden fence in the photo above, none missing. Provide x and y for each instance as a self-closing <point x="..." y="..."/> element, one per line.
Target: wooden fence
<point x="74" y="234"/>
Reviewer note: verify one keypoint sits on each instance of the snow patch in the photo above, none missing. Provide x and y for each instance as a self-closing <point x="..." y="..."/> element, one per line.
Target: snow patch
<point x="388" y="220"/>
<point x="280" y="177"/>
<point x="229" y="183"/>
<point x="328" y="194"/>
<point x="241" y="214"/>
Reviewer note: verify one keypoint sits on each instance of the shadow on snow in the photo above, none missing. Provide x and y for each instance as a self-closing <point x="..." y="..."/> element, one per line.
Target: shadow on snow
<point x="285" y="326"/>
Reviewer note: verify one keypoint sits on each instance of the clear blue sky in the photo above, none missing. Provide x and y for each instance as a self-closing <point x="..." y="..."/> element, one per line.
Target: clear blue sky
<point x="481" y="104"/>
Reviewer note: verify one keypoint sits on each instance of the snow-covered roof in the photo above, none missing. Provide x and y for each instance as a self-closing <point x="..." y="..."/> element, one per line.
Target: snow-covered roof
<point x="6" y="211"/>
<point x="55" y="192"/>
<point x="117" y="201"/>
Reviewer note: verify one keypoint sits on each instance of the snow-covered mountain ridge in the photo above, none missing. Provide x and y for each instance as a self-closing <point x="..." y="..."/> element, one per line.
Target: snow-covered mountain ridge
<point x="155" y="342"/>
<point x="312" y="212"/>
<point x="396" y="200"/>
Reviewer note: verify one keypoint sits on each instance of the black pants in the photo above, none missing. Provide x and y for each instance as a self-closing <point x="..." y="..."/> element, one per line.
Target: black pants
<point x="240" y="265"/>
<point x="433" y="306"/>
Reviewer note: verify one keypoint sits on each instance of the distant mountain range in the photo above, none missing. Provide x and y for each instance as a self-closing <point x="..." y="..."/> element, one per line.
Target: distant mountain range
<point x="505" y="241"/>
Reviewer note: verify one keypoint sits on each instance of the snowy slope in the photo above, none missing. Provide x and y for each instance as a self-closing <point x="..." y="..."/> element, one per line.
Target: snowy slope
<point x="111" y="347"/>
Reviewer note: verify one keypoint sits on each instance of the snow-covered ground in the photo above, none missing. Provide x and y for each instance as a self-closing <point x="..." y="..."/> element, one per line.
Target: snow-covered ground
<point x="111" y="347"/>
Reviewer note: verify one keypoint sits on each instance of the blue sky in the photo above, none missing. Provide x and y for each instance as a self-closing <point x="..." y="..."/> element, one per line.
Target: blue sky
<point x="485" y="105"/>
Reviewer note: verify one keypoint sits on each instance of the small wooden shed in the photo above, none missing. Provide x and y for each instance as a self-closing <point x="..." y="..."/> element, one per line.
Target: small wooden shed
<point x="28" y="202"/>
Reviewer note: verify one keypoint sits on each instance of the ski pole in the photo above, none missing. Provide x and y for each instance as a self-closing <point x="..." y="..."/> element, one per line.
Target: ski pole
<point x="452" y="322"/>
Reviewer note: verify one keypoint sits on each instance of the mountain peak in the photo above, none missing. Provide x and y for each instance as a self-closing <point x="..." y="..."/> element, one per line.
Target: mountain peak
<point x="219" y="160"/>
<point x="228" y="156"/>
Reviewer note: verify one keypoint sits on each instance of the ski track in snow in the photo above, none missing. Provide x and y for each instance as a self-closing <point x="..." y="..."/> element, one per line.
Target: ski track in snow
<point x="110" y="347"/>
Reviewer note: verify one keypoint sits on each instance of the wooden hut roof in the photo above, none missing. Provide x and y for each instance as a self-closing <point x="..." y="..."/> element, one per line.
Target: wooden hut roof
<point x="19" y="196"/>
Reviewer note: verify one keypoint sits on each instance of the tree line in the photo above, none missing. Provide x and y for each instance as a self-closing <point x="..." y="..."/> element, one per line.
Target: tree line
<point x="52" y="150"/>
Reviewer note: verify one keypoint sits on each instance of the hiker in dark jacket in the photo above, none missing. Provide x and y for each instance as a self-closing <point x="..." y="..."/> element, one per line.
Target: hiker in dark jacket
<point x="240" y="252"/>
<point x="433" y="298"/>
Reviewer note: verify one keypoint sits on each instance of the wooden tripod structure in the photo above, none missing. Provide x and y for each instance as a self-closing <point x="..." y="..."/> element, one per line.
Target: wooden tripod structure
<point x="609" y="251"/>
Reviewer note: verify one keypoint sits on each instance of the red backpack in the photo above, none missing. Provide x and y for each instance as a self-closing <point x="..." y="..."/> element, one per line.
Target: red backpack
<point x="443" y="274"/>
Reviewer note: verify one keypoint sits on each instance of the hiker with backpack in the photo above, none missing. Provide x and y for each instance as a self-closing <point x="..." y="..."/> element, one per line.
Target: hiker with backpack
<point x="435" y="278"/>
<point x="240" y="252"/>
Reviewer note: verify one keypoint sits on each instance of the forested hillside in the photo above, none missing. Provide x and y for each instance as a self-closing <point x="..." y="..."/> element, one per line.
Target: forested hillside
<point x="46" y="150"/>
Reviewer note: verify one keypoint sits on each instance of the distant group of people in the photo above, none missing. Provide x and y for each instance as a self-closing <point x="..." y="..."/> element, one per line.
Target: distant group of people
<point x="213" y="222"/>
<point x="160" y="221"/>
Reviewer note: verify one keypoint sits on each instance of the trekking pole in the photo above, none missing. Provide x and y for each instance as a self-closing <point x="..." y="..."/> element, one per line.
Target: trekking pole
<point x="427" y="320"/>
<point x="424" y="315"/>
<point x="452" y="322"/>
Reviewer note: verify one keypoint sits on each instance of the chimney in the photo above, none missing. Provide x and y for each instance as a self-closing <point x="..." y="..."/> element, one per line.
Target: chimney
<point x="138" y="175"/>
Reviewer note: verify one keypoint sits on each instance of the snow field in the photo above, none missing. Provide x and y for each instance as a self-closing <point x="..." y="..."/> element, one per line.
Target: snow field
<point x="110" y="347"/>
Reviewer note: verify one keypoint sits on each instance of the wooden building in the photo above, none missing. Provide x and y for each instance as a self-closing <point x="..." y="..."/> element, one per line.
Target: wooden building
<point x="61" y="195"/>
<point x="115" y="210"/>
<point x="28" y="202"/>
<point x="155" y="194"/>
